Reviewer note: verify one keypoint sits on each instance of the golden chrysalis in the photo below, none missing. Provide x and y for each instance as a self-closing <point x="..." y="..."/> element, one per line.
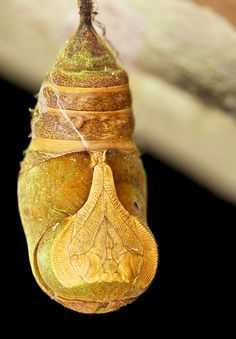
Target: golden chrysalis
<point x="82" y="186"/>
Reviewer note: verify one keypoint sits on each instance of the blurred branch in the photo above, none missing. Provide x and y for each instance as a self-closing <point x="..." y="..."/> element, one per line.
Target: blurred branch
<point x="179" y="42"/>
<point x="198" y="139"/>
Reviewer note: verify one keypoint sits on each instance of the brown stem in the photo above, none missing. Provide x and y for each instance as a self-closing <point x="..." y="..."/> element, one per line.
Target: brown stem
<point x="86" y="9"/>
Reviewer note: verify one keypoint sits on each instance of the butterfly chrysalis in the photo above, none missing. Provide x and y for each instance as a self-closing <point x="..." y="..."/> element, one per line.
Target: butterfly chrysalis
<point x="82" y="186"/>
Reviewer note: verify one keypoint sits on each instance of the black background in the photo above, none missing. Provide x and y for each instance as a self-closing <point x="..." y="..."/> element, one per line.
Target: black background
<point x="190" y="224"/>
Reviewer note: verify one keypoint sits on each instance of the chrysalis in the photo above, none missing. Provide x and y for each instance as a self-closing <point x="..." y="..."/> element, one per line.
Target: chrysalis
<point x="82" y="186"/>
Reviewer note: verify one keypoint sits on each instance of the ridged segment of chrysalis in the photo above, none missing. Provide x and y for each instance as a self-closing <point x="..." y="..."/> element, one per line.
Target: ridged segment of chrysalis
<point x="82" y="186"/>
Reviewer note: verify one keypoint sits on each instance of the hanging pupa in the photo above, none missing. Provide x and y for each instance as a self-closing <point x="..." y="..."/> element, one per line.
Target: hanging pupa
<point x="82" y="186"/>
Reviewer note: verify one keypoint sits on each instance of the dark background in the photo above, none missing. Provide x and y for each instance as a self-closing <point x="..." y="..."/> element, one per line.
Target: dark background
<point x="190" y="224"/>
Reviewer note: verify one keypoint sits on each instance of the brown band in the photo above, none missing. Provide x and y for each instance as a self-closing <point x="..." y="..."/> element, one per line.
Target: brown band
<point x="87" y="99"/>
<point x="46" y="145"/>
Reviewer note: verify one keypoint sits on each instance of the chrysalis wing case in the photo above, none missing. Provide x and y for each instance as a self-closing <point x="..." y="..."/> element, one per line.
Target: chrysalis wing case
<point x="82" y="186"/>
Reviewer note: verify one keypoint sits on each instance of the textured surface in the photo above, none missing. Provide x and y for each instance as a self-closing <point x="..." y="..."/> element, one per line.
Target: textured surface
<point x="59" y="188"/>
<point x="82" y="187"/>
<point x="102" y="251"/>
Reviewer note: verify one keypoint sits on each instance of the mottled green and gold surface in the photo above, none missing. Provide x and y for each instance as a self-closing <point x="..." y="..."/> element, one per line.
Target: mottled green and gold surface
<point x="82" y="186"/>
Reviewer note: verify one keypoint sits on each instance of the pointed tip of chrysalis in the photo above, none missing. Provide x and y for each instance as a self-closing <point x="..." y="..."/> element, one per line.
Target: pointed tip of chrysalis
<point x="86" y="11"/>
<point x="86" y="60"/>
